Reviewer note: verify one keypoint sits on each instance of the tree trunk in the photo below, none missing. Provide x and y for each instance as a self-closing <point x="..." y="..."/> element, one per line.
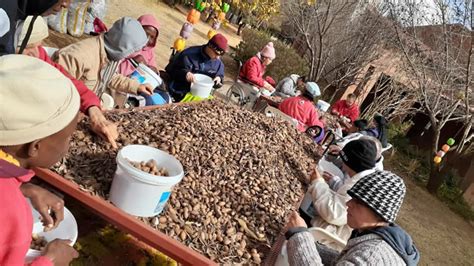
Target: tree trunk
<point x="436" y="178"/>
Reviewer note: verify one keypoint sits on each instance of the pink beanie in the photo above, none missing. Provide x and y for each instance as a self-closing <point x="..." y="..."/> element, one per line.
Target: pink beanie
<point x="268" y="51"/>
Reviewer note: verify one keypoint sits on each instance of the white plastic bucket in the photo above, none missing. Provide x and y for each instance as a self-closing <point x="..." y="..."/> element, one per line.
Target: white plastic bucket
<point x="202" y="86"/>
<point x="107" y="101"/>
<point x="67" y="229"/>
<point x="144" y="74"/>
<point x="323" y="106"/>
<point x="139" y="193"/>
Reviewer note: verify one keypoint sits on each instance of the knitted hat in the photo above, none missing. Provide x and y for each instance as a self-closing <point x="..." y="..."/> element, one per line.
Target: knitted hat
<point x="359" y="155"/>
<point x="36" y="100"/>
<point x="382" y="191"/>
<point x="38" y="33"/>
<point x="268" y="51"/>
<point x="220" y="41"/>
<point x="313" y="89"/>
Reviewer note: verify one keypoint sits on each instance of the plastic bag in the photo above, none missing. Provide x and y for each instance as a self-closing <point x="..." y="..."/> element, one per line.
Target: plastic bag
<point x="58" y="21"/>
<point x="77" y="18"/>
<point x="97" y="9"/>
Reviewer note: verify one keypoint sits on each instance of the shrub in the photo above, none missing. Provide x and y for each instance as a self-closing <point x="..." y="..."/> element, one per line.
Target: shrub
<point x="287" y="61"/>
<point x="452" y="196"/>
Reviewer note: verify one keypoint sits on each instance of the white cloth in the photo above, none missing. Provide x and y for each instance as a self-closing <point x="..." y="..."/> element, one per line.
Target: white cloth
<point x="330" y="205"/>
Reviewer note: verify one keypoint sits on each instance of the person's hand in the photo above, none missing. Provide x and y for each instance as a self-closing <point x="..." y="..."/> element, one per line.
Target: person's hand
<point x="327" y="176"/>
<point x="268" y="87"/>
<point x="60" y="252"/>
<point x="296" y="221"/>
<point x="190" y="77"/>
<point x="217" y="80"/>
<point x="314" y="175"/>
<point x="103" y="127"/>
<point x="334" y="149"/>
<point x="145" y="89"/>
<point x="50" y="206"/>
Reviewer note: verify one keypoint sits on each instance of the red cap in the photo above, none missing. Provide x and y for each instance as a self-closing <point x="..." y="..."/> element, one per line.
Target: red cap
<point x="220" y="41"/>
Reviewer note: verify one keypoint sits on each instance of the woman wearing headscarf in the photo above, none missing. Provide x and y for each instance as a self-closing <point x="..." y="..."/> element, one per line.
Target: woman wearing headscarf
<point x="95" y="60"/>
<point x="90" y="103"/>
<point x="254" y="69"/>
<point x="147" y="54"/>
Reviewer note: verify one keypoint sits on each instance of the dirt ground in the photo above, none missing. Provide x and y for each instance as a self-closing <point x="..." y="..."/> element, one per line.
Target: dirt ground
<point x="442" y="237"/>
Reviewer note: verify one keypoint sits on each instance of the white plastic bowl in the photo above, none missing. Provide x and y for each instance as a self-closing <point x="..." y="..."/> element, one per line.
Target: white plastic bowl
<point x="67" y="229"/>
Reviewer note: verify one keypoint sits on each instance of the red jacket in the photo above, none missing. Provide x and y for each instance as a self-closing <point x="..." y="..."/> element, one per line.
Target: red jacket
<point x="88" y="98"/>
<point x="303" y="110"/>
<point x="253" y="71"/>
<point x="16" y="221"/>
<point x="352" y="112"/>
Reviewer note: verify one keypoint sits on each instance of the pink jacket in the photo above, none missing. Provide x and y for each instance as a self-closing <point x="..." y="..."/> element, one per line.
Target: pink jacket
<point x="148" y="52"/>
<point x="16" y="221"/>
<point x="253" y="71"/>
<point x="303" y="110"/>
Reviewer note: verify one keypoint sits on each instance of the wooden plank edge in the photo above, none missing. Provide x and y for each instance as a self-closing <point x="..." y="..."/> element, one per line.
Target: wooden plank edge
<point x="126" y="222"/>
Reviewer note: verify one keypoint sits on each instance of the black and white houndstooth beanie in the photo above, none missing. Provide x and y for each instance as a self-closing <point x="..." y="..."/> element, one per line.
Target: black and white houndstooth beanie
<point x="382" y="191"/>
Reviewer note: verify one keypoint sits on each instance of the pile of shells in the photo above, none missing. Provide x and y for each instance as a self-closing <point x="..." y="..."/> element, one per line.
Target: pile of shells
<point x="150" y="167"/>
<point x="38" y="242"/>
<point x="243" y="173"/>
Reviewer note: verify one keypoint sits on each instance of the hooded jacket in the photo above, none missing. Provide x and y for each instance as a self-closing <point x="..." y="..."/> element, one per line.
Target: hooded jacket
<point x="287" y="86"/>
<point x="148" y="52"/>
<point x="388" y="245"/>
<point x="87" y="59"/>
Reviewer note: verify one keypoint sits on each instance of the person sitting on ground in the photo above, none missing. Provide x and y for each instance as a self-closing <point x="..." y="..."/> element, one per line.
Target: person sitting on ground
<point x="95" y="60"/>
<point x="147" y="54"/>
<point x="376" y="240"/>
<point x="254" y="69"/>
<point x="335" y="182"/>
<point x="290" y="86"/>
<point x="203" y="59"/>
<point x="302" y="107"/>
<point x="90" y="103"/>
<point x="37" y="122"/>
<point x="346" y="109"/>
<point x="358" y="159"/>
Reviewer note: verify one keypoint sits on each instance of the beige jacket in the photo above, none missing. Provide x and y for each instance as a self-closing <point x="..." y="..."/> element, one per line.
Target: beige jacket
<point x="85" y="60"/>
<point x="331" y="207"/>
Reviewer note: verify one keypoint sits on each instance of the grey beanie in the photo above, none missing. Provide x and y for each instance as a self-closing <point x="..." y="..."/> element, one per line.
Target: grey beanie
<point x="124" y="38"/>
<point x="381" y="191"/>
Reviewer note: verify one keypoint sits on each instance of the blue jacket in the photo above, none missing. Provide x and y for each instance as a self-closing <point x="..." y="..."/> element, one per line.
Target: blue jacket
<point x="193" y="60"/>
